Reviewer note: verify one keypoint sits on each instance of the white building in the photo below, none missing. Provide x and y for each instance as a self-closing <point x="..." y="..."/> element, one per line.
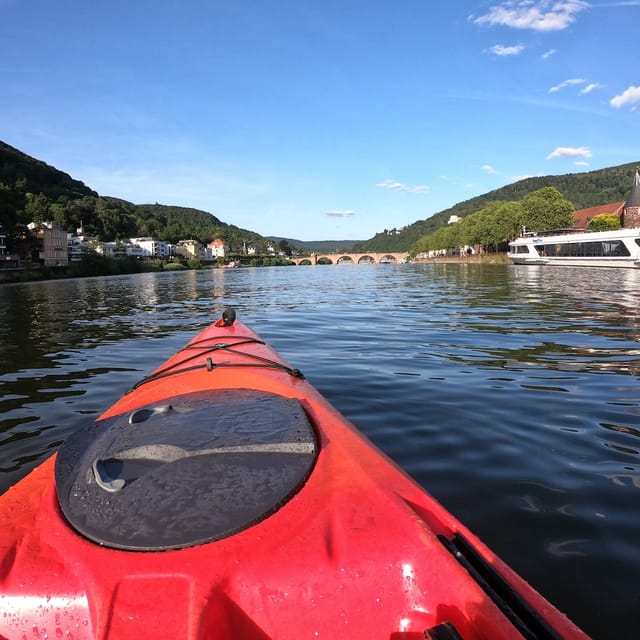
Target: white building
<point x="151" y="248"/>
<point x="110" y="249"/>
<point x="134" y="250"/>
<point x="79" y="243"/>
<point x="218" y="248"/>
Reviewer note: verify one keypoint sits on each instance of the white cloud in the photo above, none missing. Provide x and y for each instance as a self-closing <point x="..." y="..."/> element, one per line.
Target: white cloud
<point x="488" y="168"/>
<point x="548" y="54"/>
<point x="589" y="88"/>
<point x="501" y="50"/>
<point x="629" y="97"/>
<point x="340" y="214"/>
<point x="581" y="163"/>
<point x="399" y="186"/>
<point x="566" y="83"/>
<point x="538" y="15"/>
<point x="570" y="152"/>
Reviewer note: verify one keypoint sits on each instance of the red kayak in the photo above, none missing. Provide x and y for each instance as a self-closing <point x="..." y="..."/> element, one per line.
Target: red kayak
<point x="224" y="497"/>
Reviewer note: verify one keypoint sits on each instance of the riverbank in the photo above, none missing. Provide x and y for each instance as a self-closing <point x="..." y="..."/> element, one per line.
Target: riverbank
<point x="104" y="266"/>
<point x="488" y="258"/>
<point x="35" y="273"/>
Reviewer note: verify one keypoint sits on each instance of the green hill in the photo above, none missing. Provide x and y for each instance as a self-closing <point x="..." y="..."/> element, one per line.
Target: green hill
<point x="21" y="174"/>
<point x="31" y="190"/>
<point x="584" y="190"/>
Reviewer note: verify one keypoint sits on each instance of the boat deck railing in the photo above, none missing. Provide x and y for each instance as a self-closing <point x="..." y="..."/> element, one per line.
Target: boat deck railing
<point x="553" y="232"/>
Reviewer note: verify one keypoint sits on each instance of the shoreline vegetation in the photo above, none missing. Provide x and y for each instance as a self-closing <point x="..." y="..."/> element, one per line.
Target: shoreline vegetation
<point x="485" y="258"/>
<point x="109" y="267"/>
<point x="95" y="265"/>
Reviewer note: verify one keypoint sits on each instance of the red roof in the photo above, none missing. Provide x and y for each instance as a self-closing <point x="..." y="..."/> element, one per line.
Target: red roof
<point x="582" y="216"/>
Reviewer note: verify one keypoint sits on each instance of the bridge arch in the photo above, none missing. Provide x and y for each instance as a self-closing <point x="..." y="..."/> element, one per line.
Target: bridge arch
<point x="352" y="258"/>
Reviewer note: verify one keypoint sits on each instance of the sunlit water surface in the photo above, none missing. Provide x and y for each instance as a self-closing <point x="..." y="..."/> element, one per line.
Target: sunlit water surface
<point x="510" y="393"/>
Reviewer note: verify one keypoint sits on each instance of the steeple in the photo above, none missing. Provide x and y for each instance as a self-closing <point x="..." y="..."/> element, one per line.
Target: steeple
<point x="634" y="198"/>
<point x="631" y="210"/>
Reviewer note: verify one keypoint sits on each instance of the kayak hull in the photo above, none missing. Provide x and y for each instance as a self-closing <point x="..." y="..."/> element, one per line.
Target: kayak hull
<point x="359" y="551"/>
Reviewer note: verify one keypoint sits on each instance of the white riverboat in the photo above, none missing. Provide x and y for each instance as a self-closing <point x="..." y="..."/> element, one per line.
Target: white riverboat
<point x="620" y="248"/>
<point x="580" y="248"/>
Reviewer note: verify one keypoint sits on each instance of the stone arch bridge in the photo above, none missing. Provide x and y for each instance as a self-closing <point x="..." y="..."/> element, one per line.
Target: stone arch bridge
<point x="352" y="258"/>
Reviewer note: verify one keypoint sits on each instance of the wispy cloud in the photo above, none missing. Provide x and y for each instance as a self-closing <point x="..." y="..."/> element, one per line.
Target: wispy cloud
<point x="581" y="163"/>
<point x="628" y="98"/>
<point x="340" y="214"/>
<point x="399" y="186"/>
<point x="620" y="3"/>
<point x="488" y="169"/>
<point x="548" y="54"/>
<point x="570" y="152"/>
<point x="502" y="50"/>
<point x="537" y="15"/>
<point x="589" y="88"/>
<point x="566" y="83"/>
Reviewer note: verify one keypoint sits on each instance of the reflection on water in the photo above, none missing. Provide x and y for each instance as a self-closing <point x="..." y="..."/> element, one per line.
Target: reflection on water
<point x="510" y="392"/>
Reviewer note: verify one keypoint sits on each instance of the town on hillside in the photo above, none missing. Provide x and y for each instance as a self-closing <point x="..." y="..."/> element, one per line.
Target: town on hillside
<point x="47" y="244"/>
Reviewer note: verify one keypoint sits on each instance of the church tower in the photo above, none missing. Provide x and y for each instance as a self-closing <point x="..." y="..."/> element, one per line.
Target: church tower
<point x="631" y="208"/>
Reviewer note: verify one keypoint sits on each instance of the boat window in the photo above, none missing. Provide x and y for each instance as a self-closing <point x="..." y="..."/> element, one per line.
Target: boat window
<point x="602" y="248"/>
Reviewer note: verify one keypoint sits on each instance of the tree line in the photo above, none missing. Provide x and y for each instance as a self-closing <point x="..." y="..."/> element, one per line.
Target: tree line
<point x="499" y="222"/>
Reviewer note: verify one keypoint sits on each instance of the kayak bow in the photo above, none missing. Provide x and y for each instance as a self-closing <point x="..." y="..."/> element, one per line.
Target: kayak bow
<point x="224" y="497"/>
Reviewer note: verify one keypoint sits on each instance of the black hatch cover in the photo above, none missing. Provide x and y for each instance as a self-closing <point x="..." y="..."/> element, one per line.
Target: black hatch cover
<point x="191" y="469"/>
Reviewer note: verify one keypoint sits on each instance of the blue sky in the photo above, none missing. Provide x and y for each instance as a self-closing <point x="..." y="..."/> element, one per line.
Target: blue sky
<point x="319" y="120"/>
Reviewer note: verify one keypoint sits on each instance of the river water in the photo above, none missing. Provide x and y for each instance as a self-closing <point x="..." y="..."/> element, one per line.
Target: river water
<point x="509" y="392"/>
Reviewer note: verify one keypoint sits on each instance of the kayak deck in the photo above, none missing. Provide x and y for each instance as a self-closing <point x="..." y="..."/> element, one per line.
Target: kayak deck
<point x="351" y="547"/>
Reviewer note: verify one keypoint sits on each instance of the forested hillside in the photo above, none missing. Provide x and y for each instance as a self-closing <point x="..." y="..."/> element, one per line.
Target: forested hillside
<point x="583" y="190"/>
<point x="31" y="190"/>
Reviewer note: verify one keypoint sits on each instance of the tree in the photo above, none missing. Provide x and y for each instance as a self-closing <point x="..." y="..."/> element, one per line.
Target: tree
<point x="470" y="229"/>
<point x="498" y="223"/>
<point x="546" y="208"/>
<point x="604" y="222"/>
<point x="81" y="213"/>
<point x="440" y="240"/>
<point x="284" y="247"/>
<point x="36" y="207"/>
